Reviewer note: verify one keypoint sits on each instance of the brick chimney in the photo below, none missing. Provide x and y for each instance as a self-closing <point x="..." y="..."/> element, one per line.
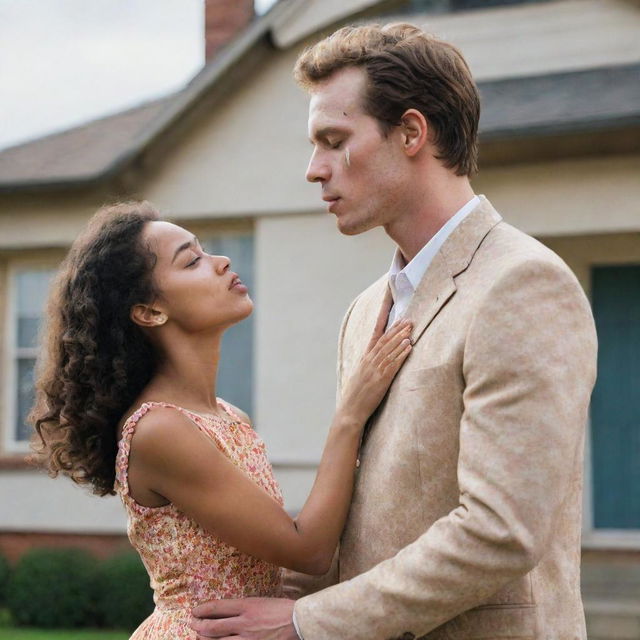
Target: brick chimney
<point x="223" y="20"/>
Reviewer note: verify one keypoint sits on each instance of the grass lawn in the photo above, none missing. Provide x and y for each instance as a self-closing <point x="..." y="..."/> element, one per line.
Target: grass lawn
<point x="11" y="633"/>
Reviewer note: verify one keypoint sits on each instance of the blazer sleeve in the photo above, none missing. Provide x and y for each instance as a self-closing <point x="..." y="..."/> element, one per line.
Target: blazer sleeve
<point x="529" y="368"/>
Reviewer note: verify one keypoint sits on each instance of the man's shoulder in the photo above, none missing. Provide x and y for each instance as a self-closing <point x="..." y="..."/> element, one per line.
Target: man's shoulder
<point x="510" y="259"/>
<point x="507" y="247"/>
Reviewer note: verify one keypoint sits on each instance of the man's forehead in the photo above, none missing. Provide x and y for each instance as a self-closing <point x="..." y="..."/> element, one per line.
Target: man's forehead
<point x="337" y="100"/>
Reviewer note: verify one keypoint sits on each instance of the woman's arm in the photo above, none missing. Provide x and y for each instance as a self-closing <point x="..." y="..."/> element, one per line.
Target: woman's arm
<point x="178" y="462"/>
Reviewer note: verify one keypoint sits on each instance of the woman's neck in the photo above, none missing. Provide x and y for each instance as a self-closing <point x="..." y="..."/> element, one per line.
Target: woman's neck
<point x="187" y="373"/>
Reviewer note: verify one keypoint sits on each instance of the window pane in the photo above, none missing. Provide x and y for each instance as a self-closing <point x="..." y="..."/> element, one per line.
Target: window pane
<point x="615" y="406"/>
<point x="24" y="397"/>
<point x="31" y="293"/>
<point x="31" y="289"/>
<point x="235" y="375"/>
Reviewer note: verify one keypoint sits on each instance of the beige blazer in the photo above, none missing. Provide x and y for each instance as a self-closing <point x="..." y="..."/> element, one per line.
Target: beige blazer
<point x="466" y="516"/>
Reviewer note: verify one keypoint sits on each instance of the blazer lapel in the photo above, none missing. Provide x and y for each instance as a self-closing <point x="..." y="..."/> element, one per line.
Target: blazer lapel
<point x="438" y="283"/>
<point x="372" y="311"/>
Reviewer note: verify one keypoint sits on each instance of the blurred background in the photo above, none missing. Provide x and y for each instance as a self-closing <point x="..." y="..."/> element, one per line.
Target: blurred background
<point x="191" y="105"/>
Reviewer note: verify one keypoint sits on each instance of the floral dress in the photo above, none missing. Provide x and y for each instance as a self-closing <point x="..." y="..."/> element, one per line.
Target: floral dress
<point x="186" y="564"/>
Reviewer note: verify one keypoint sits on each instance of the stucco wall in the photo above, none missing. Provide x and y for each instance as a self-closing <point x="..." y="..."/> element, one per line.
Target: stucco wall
<point x="31" y="501"/>
<point x="247" y="160"/>
<point x="307" y="276"/>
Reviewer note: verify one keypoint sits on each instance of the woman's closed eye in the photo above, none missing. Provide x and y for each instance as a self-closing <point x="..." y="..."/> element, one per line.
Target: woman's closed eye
<point x="194" y="261"/>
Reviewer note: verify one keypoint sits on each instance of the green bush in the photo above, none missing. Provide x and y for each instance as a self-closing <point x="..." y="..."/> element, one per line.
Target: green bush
<point x="5" y="572"/>
<point x="54" y="588"/>
<point x="125" y="596"/>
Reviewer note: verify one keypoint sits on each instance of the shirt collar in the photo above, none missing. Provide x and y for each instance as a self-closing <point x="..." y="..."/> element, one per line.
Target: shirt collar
<point x="415" y="269"/>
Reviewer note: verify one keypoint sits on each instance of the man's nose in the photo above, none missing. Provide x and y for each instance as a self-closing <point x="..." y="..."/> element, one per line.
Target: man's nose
<point x="318" y="170"/>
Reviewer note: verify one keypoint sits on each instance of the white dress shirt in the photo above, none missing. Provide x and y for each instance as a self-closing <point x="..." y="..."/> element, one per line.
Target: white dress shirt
<point x="404" y="279"/>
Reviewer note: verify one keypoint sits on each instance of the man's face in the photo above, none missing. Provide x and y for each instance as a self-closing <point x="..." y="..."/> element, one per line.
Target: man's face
<point x="362" y="172"/>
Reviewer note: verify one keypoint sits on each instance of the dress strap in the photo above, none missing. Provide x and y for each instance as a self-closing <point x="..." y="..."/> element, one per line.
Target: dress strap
<point x="124" y="445"/>
<point x="229" y="410"/>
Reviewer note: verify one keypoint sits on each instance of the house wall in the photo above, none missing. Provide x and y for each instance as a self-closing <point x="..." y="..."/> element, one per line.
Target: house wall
<point x="307" y="273"/>
<point x="307" y="276"/>
<point x="246" y="161"/>
<point x="559" y="35"/>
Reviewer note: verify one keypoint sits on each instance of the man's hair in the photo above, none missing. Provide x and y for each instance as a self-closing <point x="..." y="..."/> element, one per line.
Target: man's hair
<point x="406" y="68"/>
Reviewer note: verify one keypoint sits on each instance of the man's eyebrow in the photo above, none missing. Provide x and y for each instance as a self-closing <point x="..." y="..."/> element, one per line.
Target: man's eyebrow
<point x="183" y="246"/>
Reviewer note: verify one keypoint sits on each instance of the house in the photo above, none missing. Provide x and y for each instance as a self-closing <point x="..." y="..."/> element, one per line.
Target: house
<point x="560" y="159"/>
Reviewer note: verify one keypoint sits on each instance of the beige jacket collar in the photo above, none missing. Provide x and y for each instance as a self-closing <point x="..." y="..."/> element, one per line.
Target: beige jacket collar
<point x="438" y="283"/>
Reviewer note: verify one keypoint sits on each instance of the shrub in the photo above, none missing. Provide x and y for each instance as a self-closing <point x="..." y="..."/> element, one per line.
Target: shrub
<point x="5" y="572"/>
<point x="54" y="588"/>
<point x="125" y="596"/>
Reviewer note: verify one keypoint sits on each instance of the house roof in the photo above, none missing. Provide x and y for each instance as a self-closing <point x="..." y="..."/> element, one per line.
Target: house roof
<point x="589" y="100"/>
<point x="546" y="104"/>
<point x="80" y="154"/>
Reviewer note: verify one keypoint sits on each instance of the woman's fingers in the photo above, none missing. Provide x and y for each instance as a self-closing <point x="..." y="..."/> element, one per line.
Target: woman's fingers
<point x="390" y="341"/>
<point x="394" y="360"/>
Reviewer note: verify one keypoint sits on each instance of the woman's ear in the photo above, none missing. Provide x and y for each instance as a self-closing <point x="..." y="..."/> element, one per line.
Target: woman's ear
<point x="414" y="130"/>
<point x="145" y="315"/>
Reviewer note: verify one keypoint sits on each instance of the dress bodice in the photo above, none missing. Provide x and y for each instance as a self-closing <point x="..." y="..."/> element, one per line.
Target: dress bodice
<point x="188" y="565"/>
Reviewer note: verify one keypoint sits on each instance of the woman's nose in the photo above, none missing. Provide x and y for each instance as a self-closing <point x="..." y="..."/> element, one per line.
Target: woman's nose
<point x="222" y="264"/>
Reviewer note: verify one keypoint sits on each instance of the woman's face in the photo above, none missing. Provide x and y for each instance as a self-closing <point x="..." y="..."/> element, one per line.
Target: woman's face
<point x="198" y="291"/>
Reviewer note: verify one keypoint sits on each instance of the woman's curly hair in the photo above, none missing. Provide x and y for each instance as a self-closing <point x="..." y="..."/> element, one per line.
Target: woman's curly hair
<point x="95" y="361"/>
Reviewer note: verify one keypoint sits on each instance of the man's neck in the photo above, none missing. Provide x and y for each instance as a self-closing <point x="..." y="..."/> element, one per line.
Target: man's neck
<point x="425" y="216"/>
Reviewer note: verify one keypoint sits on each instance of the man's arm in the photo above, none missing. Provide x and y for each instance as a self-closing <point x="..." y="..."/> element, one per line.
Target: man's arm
<point x="529" y="367"/>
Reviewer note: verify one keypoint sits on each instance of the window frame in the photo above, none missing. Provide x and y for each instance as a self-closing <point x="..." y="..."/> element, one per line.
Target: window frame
<point x="592" y="537"/>
<point x="207" y="236"/>
<point x="10" y="444"/>
<point x="584" y="252"/>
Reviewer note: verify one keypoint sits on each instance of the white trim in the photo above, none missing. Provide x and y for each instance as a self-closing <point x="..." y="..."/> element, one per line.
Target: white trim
<point x="611" y="539"/>
<point x="10" y="444"/>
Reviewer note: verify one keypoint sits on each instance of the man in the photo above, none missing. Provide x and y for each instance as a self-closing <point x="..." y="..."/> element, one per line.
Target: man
<point x="465" y="521"/>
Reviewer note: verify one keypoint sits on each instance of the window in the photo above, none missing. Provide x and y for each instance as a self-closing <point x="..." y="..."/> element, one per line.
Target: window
<point x="28" y="290"/>
<point x="235" y="373"/>
<point x="615" y="406"/>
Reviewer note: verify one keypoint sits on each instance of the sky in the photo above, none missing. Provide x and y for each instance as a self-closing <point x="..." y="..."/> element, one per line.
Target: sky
<point x="66" y="62"/>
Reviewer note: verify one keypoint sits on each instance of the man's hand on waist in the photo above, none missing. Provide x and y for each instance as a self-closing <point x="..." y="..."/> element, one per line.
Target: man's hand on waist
<point x="245" y="619"/>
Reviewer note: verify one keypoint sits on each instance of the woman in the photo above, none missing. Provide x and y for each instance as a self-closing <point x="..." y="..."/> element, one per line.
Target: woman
<point x="126" y="403"/>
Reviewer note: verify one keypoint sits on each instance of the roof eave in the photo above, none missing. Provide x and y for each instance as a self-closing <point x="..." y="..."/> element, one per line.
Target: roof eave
<point x="222" y="65"/>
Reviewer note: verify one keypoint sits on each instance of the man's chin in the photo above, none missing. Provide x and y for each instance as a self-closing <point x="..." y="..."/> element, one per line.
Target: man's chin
<point x="350" y="228"/>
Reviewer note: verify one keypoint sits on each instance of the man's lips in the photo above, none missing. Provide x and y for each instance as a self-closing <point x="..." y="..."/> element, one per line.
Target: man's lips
<point x="331" y="201"/>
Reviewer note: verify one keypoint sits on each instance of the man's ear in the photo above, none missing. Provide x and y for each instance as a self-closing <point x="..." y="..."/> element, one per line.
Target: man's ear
<point x="414" y="130"/>
<point x="145" y="315"/>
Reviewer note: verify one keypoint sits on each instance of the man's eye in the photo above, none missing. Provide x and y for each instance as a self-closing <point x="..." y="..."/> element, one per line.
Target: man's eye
<point x="336" y="145"/>
<point x="194" y="261"/>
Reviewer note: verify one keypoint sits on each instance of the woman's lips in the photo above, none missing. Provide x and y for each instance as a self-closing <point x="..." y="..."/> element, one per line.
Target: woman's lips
<point x="238" y="285"/>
